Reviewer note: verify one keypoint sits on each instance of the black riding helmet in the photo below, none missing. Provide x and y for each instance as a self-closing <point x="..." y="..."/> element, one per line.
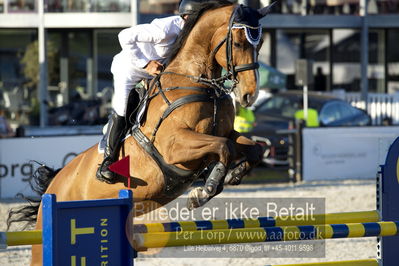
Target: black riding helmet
<point x="188" y="7"/>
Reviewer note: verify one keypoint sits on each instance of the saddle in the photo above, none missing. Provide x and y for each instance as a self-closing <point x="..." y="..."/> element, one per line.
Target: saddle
<point x="135" y="112"/>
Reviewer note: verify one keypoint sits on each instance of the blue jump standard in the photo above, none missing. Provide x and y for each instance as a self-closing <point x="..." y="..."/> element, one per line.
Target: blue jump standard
<point x="87" y="232"/>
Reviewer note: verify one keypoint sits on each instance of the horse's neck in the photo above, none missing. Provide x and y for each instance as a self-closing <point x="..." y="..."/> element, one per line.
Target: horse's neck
<point x="194" y="57"/>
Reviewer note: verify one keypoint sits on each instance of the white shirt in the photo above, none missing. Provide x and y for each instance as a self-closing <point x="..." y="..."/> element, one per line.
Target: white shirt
<point x="145" y="42"/>
<point x="140" y="44"/>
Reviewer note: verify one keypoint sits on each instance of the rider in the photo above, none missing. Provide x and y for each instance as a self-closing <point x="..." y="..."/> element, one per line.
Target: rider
<point x="144" y="47"/>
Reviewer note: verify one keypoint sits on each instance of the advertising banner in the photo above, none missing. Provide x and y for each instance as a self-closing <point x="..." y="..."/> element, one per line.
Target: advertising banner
<point x="20" y="157"/>
<point x="345" y="153"/>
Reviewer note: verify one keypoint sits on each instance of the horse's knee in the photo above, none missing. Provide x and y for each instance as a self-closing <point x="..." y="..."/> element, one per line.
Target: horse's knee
<point x="255" y="156"/>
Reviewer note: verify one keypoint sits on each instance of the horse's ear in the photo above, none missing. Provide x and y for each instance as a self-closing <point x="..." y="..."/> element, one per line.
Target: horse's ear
<point x="267" y="9"/>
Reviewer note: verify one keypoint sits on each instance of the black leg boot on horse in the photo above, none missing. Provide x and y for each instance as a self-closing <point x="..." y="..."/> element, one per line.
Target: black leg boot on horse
<point x="115" y="131"/>
<point x="213" y="186"/>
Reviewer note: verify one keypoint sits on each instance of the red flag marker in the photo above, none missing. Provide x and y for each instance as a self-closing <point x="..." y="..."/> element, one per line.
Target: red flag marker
<point x="122" y="167"/>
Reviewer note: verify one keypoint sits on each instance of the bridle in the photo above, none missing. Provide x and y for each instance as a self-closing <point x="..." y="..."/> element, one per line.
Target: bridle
<point x="232" y="70"/>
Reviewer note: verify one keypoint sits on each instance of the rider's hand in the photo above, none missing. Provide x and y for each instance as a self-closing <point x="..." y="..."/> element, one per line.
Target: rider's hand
<point x="153" y="68"/>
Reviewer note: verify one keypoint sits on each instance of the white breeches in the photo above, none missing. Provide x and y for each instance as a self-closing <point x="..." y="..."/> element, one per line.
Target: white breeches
<point x="126" y="76"/>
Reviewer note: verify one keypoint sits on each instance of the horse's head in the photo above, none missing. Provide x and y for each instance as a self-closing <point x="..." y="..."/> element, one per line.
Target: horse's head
<point x="231" y="36"/>
<point x="237" y="51"/>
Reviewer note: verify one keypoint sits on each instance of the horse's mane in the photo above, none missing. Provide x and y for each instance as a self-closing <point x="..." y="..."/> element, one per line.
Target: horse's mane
<point x="190" y="23"/>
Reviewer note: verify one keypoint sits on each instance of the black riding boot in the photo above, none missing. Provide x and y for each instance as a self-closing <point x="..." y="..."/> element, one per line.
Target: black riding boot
<point x="113" y="137"/>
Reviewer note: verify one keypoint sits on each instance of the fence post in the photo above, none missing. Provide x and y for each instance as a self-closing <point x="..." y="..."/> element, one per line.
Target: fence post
<point x="299" y="124"/>
<point x="291" y="153"/>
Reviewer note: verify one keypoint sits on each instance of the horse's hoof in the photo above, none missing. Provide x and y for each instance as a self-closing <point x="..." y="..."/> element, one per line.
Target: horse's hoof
<point x="197" y="198"/>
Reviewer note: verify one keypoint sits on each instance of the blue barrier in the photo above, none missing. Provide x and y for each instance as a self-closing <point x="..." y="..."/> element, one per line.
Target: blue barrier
<point x="388" y="203"/>
<point x="89" y="232"/>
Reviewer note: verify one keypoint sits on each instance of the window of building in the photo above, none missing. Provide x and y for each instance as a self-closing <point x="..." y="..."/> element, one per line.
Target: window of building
<point x="80" y="62"/>
<point x="284" y="6"/>
<point x="21" y="5"/>
<point x="265" y="53"/>
<point x="376" y="66"/>
<point x="110" y="6"/>
<point x="383" y="6"/>
<point x="392" y="60"/>
<point x="72" y="94"/>
<point x="106" y="47"/>
<point x="158" y="6"/>
<point x="13" y="46"/>
<point x="88" y="6"/>
<point x="292" y="45"/>
<point x="68" y="6"/>
<point x="346" y="59"/>
<point x="16" y="95"/>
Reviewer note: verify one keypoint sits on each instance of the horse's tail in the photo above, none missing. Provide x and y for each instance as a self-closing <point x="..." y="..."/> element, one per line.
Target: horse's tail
<point x="39" y="183"/>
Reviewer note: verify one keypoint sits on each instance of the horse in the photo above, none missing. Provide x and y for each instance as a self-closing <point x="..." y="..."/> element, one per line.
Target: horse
<point x="187" y="131"/>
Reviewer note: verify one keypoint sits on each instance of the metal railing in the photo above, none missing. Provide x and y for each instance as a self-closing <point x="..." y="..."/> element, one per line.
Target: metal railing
<point x="383" y="108"/>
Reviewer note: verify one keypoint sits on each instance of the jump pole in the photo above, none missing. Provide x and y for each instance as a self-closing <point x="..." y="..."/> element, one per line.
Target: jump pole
<point x="265" y="234"/>
<point x="35" y="236"/>
<point x="329" y="218"/>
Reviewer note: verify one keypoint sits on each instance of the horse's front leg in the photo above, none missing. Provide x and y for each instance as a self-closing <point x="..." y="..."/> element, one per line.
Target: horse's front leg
<point x="192" y="146"/>
<point x="249" y="154"/>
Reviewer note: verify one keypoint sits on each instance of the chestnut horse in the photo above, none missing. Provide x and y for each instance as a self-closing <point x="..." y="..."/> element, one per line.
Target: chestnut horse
<point x="188" y="124"/>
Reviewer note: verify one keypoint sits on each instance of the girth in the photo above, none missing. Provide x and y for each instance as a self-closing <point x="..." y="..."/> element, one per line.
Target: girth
<point x="174" y="176"/>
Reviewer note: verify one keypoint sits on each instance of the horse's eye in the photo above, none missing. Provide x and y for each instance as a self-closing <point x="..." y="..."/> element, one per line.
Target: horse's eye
<point x="237" y="45"/>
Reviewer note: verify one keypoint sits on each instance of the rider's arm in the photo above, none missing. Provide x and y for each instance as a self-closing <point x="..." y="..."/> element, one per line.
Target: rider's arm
<point x="128" y="39"/>
<point x="155" y="32"/>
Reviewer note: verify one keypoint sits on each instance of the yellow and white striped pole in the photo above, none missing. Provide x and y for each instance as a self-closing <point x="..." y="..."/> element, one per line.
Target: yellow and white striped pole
<point x="329" y="218"/>
<point x="264" y="234"/>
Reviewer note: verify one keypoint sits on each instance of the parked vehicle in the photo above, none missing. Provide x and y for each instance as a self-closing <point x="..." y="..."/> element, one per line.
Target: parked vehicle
<point x="78" y="112"/>
<point x="274" y="114"/>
